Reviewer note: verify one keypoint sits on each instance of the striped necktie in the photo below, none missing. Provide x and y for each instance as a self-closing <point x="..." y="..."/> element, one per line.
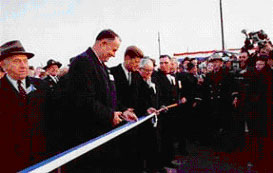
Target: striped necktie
<point x="22" y="92"/>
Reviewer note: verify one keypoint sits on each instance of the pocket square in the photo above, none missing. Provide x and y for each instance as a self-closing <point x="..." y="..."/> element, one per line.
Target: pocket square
<point x="30" y="89"/>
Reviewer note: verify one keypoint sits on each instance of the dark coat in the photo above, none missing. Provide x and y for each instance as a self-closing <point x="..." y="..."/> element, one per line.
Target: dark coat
<point x="169" y="93"/>
<point x="22" y="131"/>
<point x="218" y="94"/>
<point x="257" y="101"/>
<point x="51" y="83"/>
<point x="125" y="92"/>
<point x="146" y="97"/>
<point x="148" y="138"/>
<point x="90" y="99"/>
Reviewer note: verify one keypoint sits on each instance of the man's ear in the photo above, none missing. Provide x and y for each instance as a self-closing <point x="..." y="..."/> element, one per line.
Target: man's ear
<point x="126" y="58"/>
<point x="103" y="42"/>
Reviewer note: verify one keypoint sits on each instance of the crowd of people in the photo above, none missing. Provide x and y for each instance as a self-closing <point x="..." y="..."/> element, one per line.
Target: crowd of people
<point x="224" y="104"/>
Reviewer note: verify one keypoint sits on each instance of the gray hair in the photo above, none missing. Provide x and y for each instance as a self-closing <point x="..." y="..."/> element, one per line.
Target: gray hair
<point x="173" y="59"/>
<point x="145" y="60"/>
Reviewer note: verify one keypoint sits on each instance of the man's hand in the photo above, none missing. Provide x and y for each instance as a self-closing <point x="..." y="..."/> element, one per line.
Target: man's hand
<point x="200" y="81"/>
<point x="116" y="118"/>
<point x="235" y="102"/>
<point x="129" y="115"/>
<point x="194" y="104"/>
<point x="183" y="100"/>
<point x="152" y="110"/>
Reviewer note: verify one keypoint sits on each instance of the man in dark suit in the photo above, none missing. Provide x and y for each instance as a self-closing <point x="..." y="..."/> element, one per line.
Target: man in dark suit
<point x="22" y="110"/>
<point x="168" y="95"/>
<point x="218" y="94"/>
<point x="125" y="75"/>
<point x="147" y="103"/>
<point x="91" y="100"/>
<point x="52" y="70"/>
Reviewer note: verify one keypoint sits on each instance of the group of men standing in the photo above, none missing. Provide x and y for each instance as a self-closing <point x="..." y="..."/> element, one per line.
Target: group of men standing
<point x="42" y="118"/>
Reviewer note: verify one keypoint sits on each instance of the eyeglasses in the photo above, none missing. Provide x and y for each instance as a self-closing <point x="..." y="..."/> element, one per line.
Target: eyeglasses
<point x="147" y="70"/>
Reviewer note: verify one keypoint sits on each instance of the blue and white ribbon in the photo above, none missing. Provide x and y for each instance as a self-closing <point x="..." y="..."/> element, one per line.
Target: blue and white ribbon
<point x="73" y="153"/>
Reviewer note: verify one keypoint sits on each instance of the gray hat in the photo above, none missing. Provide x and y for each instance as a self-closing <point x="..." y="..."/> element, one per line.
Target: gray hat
<point x="13" y="48"/>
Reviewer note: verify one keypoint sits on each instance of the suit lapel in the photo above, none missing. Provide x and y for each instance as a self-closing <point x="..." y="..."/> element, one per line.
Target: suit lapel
<point x="123" y="76"/>
<point x="101" y="69"/>
<point x="8" y="87"/>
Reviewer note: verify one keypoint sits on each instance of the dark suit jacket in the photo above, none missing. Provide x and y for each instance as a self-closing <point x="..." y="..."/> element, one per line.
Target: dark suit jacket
<point x="147" y="137"/>
<point x="51" y="82"/>
<point x="125" y="92"/>
<point x="168" y="92"/>
<point x="91" y="99"/>
<point x="22" y="130"/>
<point x="146" y="97"/>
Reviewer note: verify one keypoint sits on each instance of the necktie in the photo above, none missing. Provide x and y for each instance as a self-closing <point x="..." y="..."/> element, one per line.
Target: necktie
<point x="56" y="79"/>
<point x="22" y="92"/>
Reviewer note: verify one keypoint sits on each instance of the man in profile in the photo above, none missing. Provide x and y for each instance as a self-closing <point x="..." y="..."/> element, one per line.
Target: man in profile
<point x="91" y="108"/>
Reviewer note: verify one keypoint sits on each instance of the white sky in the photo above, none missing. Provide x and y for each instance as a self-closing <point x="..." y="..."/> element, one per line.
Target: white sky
<point x="61" y="29"/>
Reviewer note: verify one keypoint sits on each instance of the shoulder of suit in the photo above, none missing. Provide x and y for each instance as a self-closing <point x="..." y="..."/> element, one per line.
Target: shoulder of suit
<point x="113" y="69"/>
<point x="116" y="68"/>
<point x="3" y="81"/>
<point x="38" y="83"/>
<point x="46" y="78"/>
<point x="35" y="80"/>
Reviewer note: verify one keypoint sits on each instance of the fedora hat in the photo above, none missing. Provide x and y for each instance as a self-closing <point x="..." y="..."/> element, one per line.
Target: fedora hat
<point x="52" y="62"/>
<point x="13" y="48"/>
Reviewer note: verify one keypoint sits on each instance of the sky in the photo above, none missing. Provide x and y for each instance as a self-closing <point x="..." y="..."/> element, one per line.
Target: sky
<point x="61" y="29"/>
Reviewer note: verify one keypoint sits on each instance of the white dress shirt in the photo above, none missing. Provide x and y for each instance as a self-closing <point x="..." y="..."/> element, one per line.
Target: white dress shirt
<point x="151" y="85"/>
<point x="127" y="73"/>
<point x="14" y="83"/>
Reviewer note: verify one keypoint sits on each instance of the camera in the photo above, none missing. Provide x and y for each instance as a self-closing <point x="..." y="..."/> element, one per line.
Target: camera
<point x="259" y="38"/>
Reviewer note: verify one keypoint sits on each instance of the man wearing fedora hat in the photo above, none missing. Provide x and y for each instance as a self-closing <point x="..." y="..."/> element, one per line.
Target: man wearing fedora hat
<point x="52" y="70"/>
<point x="22" y="110"/>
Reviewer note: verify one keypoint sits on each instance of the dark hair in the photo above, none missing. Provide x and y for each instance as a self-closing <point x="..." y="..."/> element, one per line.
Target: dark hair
<point x="191" y="60"/>
<point x="107" y="34"/>
<point x="1" y="69"/>
<point x="164" y="56"/>
<point x="186" y="59"/>
<point x="133" y="52"/>
<point x="190" y="66"/>
<point x="262" y="58"/>
<point x="31" y="67"/>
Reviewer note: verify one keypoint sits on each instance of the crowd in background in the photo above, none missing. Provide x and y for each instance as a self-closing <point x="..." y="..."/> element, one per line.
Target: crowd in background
<point x="224" y="103"/>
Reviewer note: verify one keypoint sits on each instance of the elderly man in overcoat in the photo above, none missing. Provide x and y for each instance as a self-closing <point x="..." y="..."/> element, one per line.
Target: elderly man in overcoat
<point x="22" y="111"/>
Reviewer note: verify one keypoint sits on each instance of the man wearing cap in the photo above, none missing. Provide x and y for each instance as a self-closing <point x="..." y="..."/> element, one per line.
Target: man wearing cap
<point x="52" y="70"/>
<point x="22" y="110"/>
<point x="219" y="95"/>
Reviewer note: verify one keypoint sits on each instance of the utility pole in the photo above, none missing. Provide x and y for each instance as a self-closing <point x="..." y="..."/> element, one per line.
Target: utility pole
<point x="222" y="26"/>
<point x="159" y="47"/>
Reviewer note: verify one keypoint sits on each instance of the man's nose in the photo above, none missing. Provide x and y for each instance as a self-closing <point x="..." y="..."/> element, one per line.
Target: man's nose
<point x="23" y="64"/>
